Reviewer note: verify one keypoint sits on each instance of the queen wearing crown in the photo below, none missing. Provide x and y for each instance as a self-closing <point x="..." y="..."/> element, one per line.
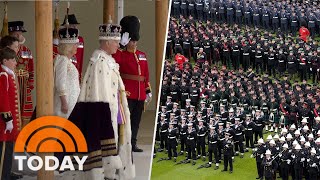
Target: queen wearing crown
<point x="66" y="76"/>
<point x="102" y="113"/>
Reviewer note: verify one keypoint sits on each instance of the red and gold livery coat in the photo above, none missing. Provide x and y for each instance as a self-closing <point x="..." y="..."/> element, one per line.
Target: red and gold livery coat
<point x="9" y="106"/>
<point x="134" y="72"/>
<point x="25" y="74"/>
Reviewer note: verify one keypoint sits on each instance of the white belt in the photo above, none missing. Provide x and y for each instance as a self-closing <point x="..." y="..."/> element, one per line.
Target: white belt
<point x="273" y="109"/>
<point x="238" y="134"/>
<point x="246" y="54"/>
<point x="213" y="142"/>
<point x="196" y="47"/>
<point x="183" y="3"/>
<point x="265" y="108"/>
<point x="236" y="50"/>
<point x="172" y="137"/>
<point x="225" y="50"/>
<point x="194" y="95"/>
<point x="302" y="63"/>
<point x="305" y="117"/>
<point x="183" y="133"/>
<point x="281" y="61"/>
<point x="258" y="56"/>
<point x="186" y="43"/>
<point x="233" y="104"/>
<point x="238" y="10"/>
<point x="229" y="8"/>
<point x="199" y="4"/>
<point x="265" y="15"/>
<point x="201" y="135"/>
<point x="284" y="18"/>
<point x="311" y="21"/>
<point x="164" y="131"/>
<point x="275" y="17"/>
<point x="224" y="119"/>
<point x="259" y="124"/>
<point x="190" y="138"/>
<point x="176" y="2"/>
<point x="224" y="100"/>
<point x="256" y="14"/>
<point x="222" y="139"/>
<point x="191" y="4"/>
<point x="271" y="58"/>
<point x="206" y="46"/>
<point x="265" y="52"/>
<point x="185" y="93"/>
<point x="247" y="12"/>
<point x="214" y="101"/>
<point x="294" y="21"/>
<point x="255" y="107"/>
<point x="290" y="62"/>
<point x="221" y="7"/>
<point x="250" y="129"/>
<point x="173" y="92"/>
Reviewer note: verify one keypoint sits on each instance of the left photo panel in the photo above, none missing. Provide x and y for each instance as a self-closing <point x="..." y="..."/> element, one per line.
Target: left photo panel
<point x="79" y="82"/>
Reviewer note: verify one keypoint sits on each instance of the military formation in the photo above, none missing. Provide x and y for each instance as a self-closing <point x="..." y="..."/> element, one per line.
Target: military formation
<point x="210" y="43"/>
<point x="287" y="16"/>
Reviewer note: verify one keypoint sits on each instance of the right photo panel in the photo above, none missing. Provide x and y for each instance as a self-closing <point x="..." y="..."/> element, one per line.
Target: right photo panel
<point x="239" y="96"/>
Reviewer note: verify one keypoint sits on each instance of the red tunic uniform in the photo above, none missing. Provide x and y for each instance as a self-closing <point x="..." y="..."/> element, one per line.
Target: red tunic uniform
<point x="180" y="59"/>
<point x="25" y="74"/>
<point x="9" y="106"/>
<point x="134" y="72"/>
<point x="304" y="33"/>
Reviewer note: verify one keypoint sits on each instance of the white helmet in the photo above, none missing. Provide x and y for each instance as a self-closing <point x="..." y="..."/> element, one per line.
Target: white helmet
<point x="317" y="118"/>
<point x="295" y="142"/>
<point x="311" y="136"/>
<point x="318" y="132"/>
<point x="260" y="141"/>
<point x="317" y="140"/>
<point x="297" y="132"/>
<point x="289" y="136"/>
<point x="313" y="151"/>
<point x="302" y="139"/>
<point x="268" y="152"/>
<point x="276" y="136"/>
<point x="282" y="138"/>
<point x="293" y="126"/>
<point x="307" y="144"/>
<point x="269" y="137"/>
<point x="285" y="146"/>
<point x="231" y="110"/>
<point x="284" y="130"/>
<point x="298" y="146"/>
<point x="306" y="128"/>
<point x="304" y="120"/>
<point x="272" y="142"/>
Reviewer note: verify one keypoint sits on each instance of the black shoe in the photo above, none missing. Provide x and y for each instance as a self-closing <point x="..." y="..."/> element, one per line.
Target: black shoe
<point x="154" y="155"/>
<point x="203" y="158"/>
<point x="207" y="165"/>
<point x="217" y="167"/>
<point x="193" y="163"/>
<point x="169" y="158"/>
<point x="223" y="170"/>
<point x="136" y="149"/>
<point x="175" y="160"/>
<point x="231" y="172"/>
<point x="241" y="156"/>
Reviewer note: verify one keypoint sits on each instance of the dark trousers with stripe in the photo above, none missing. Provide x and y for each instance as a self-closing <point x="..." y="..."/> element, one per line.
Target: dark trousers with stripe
<point x="6" y="151"/>
<point x="136" y="108"/>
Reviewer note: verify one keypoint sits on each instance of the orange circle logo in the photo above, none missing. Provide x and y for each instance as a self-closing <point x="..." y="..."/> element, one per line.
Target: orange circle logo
<point x="51" y="134"/>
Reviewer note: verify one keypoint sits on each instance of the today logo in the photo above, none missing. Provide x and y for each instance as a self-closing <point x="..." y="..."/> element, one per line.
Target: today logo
<point x="50" y="134"/>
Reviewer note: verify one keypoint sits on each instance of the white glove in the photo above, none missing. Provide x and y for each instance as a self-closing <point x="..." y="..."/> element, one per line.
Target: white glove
<point x="308" y="160"/>
<point x="149" y="97"/>
<point x="313" y="165"/>
<point x="261" y="156"/>
<point x="277" y="148"/>
<point x="125" y="39"/>
<point x="9" y="127"/>
<point x="280" y="155"/>
<point x="318" y="70"/>
<point x="293" y="156"/>
<point x="252" y="156"/>
<point x="310" y="69"/>
<point x="288" y="161"/>
<point x="302" y="159"/>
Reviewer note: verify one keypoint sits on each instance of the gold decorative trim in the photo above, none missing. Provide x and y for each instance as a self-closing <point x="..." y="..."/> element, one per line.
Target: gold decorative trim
<point x="107" y="141"/>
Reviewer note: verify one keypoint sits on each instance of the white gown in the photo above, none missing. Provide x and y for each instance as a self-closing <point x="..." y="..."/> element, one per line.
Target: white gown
<point x="66" y="82"/>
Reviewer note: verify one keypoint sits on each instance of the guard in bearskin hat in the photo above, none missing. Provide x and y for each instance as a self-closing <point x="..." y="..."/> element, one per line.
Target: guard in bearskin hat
<point x="134" y="72"/>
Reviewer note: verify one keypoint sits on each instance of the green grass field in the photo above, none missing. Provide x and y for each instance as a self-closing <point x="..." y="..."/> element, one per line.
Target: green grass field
<point x="243" y="169"/>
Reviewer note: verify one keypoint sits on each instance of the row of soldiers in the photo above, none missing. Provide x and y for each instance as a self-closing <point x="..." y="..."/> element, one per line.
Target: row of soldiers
<point x="236" y="47"/>
<point x="288" y="16"/>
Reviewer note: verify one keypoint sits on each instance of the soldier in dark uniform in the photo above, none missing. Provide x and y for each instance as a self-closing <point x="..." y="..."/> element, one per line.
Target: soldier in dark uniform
<point x="285" y="161"/>
<point x="266" y="18"/>
<point x="201" y="57"/>
<point x="194" y="94"/>
<point x="227" y="153"/>
<point x="239" y="13"/>
<point x="201" y="144"/>
<point x="238" y="137"/>
<point x="165" y="90"/>
<point x="272" y="62"/>
<point x="213" y="139"/>
<point x="258" y="154"/>
<point x="191" y="143"/>
<point x="195" y="47"/>
<point x="256" y="16"/>
<point x="220" y="132"/>
<point x="248" y="127"/>
<point x="275" y="20"/>
<point x="283" y="21"/>
<point x="294" y="23"/>
<point x="163" y="129"/>
<point x="230" y="12"/>
<point x="186" y="45"/>
<point x="312" y="24"/>
<point x="259" y="59"/>
<point x="246" y="56"/>
<point x="184" y="8"/>
<point x="292" y="64"/>
<point x="206" y="10"/>
<point x="183" y="135"/>
<point x="207" y="48"/>
<point x="199" y="8"/>
<point x="297" y="160"/>
<point x="176" y="8"/>
<point x="174" y="91"/>
<point x="247" y="14"/>
<point x="235" y="55"/>
<point x="281" y="63"/>
<point x="221" y="12"/>
<point x="259" y="124"/>
<point x="313" y="164"/>
<point x="172" y="142"/>
<point x="191" y="8"/>
<point x="269" y="165"/>
<point x="226" y="54"/>
<point x="184" y="90"/>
